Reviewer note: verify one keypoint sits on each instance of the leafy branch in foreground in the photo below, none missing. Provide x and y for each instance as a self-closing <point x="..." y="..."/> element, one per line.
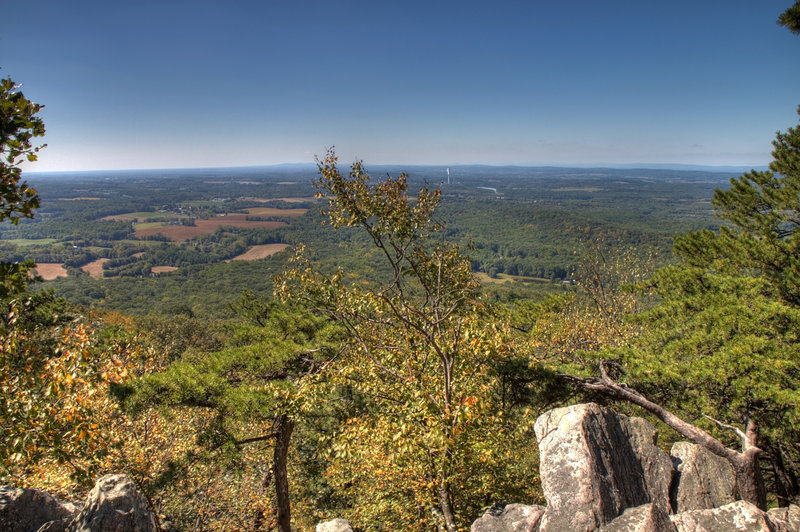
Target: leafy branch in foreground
<point x="18" y="126"/>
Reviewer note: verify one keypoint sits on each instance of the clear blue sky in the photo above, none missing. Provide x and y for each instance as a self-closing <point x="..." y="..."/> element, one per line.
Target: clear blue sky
<point x="152" y="84"/>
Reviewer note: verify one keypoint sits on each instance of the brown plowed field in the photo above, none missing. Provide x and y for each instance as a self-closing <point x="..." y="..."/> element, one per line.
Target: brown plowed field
<point x="94" y="268"/>
<point x="50" y="270"/>
<point x="286" y="200"/>
<point x="260" y="252"/>
<point x="163" y="269"/>
<point x="179" y="233"/>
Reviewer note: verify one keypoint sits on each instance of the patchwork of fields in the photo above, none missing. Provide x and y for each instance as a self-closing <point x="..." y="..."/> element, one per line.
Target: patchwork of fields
<point x="199" y="238"/>
<point x="180" y="227"/>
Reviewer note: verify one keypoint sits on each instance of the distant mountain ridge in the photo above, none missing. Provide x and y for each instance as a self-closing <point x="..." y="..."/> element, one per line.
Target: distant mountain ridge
<point x="479" y="168"/>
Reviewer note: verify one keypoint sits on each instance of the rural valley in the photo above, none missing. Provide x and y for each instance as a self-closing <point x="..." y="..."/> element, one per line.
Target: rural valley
<point x="114" y="239"/>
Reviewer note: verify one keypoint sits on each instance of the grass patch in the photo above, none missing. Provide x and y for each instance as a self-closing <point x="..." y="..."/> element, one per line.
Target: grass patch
<point x="141" y="216"/>
<point x="147" y="225"/>
<point x="504" y="278"/>
<point x="29" y="242"/>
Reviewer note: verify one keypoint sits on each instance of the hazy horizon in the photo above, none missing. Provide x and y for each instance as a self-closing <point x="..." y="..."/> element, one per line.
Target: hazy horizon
<point x="301" y="166"/>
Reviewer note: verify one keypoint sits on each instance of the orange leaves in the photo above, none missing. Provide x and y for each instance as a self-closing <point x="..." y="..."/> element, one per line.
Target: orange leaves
<point x="56" y="405"/>
<point x="469" y="401"/>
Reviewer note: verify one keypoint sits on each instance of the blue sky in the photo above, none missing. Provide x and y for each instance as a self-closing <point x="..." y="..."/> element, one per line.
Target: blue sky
<point x="157" y="84"/>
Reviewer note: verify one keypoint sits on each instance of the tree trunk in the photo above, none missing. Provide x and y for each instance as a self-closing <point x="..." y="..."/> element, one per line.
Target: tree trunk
<point x="446" y="505"/>
<point x="283" y="434"/>
<point x="787" y="487"/>
<point x="749" y="479"/>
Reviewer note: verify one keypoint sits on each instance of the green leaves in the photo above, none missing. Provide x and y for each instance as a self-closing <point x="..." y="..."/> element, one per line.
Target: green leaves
<point x="18" y="127"/>
<point x="791" y="18"/>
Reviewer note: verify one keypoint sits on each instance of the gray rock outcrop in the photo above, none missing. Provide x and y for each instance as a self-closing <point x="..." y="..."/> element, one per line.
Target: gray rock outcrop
<point x="509" y="518"/>
<point x="739" y="516"/>
<point x="647" y="518"/>
<point x="785" y="518"/>
<point x="704" y="480"/>
<point x="335" y="525"/>
<point x="602" y="471"/>
<point x="595" y="464"/>
<point x="114" y="505"/>
<point x="29" y="510"/>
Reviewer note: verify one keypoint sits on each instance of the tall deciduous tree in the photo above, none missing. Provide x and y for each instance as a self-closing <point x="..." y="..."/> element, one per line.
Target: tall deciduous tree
<point x="18" y="126"/>
<point x="55" y="371"/>
<point x="420" y="347"/>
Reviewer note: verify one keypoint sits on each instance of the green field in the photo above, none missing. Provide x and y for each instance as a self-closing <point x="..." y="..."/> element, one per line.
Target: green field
<point x="147" y="225"/>
<point x="29" y="242"/>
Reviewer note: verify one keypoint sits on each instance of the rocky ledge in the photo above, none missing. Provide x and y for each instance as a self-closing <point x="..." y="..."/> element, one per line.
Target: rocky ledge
<point x="602" y="471"/>
<point x="114" y="504"/>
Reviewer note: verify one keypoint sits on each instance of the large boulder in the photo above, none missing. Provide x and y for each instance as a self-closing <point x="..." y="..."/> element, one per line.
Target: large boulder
<point x="28" y="510"/>
<point x="114" y="505"/>
<point x="704" y="480"/>
<point x="595" y="464"/>
<point x="785" y="519"/>
<point x="335" y="525"/>
<point x="647" y="518"/>
<point x="509" y="518"/>
<point x="739" y="516"/>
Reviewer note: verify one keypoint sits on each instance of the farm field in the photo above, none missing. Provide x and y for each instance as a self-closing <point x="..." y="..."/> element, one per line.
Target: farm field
<point x="178" y="233"/>
<point x="272" y="211"/>
<point x="95" y="268"/>
<point x="50" y="270"/>
<point x="503" y="278"/>
<point x="307" y="199"/>
<point x="261" y="252"/>
<point x="141" y="216"/>
<point x="28" y="242"/>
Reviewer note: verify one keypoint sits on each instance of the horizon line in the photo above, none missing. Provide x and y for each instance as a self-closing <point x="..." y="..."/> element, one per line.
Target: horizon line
<point x="610" y="166"/>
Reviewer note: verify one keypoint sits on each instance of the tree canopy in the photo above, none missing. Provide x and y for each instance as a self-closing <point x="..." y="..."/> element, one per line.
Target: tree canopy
<point x="19" y="125"/>
<point x="791" y="18"/>
<point x="422" y="351"/>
